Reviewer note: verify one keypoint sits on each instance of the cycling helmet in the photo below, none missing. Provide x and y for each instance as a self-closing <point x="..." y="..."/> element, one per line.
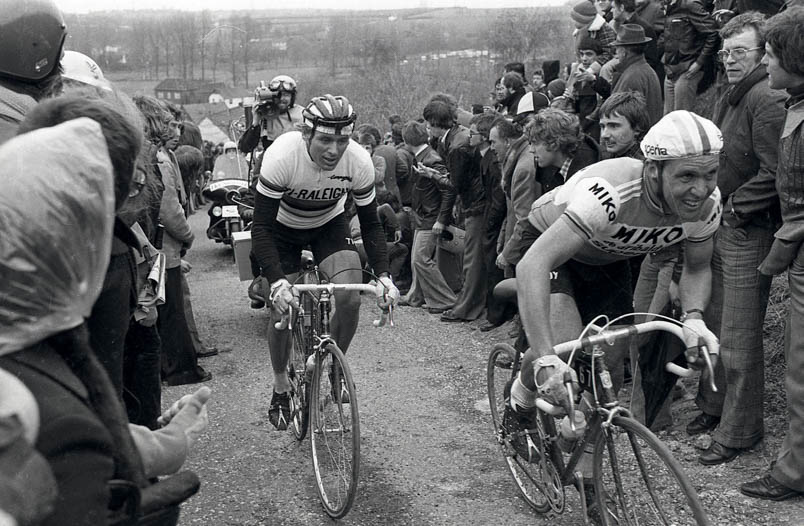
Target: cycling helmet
<point x="80" y="68"/>
<point x="330" y="114"/>
<point x="681" y="134"/>
<point x="32" y="34"/>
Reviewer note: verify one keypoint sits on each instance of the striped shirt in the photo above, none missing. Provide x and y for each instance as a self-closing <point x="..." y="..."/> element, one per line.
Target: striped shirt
<point x="611" y="205"/>
<point x="311" y="197"/>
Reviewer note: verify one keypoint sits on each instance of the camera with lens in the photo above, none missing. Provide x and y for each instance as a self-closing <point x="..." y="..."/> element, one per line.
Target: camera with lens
<point x="265" y="100"/>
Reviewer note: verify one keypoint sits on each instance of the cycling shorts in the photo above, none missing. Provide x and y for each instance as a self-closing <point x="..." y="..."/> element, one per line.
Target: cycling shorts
<point x="331" y="237"/>
<point x="597" y="289"/>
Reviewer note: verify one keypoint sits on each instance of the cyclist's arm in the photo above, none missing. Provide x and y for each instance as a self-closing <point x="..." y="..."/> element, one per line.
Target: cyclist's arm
<point x="262" y="237"/>
<point x="373" y="237"/>
<point x="553" y="247"/>
<point x="696" y="279"/>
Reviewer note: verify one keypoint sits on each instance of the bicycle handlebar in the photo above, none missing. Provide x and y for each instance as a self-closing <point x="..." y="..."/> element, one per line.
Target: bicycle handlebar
<point x="386" y="317"/>
<point x="609" y="336"/>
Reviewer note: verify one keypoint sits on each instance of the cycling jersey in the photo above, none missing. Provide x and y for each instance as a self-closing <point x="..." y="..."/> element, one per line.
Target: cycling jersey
<point x="310" y="196"/>
<point x="300" y="198"/>
<point x="613" y="207"/>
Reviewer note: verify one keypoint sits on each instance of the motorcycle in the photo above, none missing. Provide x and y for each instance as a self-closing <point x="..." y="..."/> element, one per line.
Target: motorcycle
<point x="224" y="216"/>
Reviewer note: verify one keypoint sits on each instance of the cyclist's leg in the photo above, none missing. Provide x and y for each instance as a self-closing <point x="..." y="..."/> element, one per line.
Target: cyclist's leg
<point x="338" y="258"/>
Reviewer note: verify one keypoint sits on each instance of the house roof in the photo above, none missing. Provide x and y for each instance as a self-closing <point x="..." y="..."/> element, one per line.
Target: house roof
<point x="184" y="85"/>
<point x="220" y="115"/>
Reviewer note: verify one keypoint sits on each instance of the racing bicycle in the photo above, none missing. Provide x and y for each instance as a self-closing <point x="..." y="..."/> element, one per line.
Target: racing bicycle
<point x="323" y="399"/>
<point x="636" y="479"/>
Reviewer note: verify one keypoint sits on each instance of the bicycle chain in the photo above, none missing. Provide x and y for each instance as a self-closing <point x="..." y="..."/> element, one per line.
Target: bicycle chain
<point x="552" y="487"/>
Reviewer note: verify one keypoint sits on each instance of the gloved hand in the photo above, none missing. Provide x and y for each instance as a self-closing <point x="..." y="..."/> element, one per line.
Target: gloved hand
<point x="387" y="293"/>
<point x="550" y="373"/>
<point x="281" y="296"/>
<point x="695" y="330"/>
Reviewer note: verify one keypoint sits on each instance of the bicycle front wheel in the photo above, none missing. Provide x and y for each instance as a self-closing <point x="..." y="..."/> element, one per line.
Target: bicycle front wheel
<point x="300" y="387"/>
<point x="335" y="437"/>
<point x="638" y="481"/>
<point x="532" y="477"/>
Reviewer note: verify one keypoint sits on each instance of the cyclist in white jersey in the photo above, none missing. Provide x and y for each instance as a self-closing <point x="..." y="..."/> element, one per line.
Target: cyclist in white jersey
<point x="304" y="181"/>
<point x="578" y="237"/>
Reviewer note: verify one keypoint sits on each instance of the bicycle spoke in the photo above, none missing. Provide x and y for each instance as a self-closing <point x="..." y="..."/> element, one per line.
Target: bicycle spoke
<point x="638" y="482"/>
<point x="336" y="435"/>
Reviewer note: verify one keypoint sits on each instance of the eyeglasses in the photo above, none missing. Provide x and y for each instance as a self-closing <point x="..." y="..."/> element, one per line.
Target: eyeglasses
<point x="737" y="53"/>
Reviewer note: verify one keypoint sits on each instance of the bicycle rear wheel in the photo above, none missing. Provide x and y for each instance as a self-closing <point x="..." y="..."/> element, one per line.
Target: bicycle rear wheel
<point x="300" y="387"/>
<point x="639" y="481"/>
<point x="528" y="477"/>
<point x="335" y="437"/>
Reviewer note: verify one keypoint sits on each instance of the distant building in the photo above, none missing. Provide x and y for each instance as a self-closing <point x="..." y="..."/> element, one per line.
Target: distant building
<point x="186" y="91"/>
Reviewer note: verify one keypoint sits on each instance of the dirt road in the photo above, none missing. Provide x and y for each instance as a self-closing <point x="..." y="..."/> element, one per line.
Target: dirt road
<point x="428" y="455"/>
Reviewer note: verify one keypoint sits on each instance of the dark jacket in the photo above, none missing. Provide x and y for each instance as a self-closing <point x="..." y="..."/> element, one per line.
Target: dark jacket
<point x="431" y="198"/>
<point x="690" y="35"/>
<point x="653" y="13"/>
<point x="72" y="438"/>
<point x="454" y="149"/>
<point x="494" y="204"/>
<point x="750" y="115"/>
<point x="637" y="75"/>
<point x="404" y="173"/>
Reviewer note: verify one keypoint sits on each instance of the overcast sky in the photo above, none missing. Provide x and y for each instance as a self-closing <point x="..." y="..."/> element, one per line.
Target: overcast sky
<point x="83" y="6"/>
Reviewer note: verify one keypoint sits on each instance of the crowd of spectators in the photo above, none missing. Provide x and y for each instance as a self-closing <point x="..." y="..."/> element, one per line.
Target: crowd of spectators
<point x="101" y="329"/>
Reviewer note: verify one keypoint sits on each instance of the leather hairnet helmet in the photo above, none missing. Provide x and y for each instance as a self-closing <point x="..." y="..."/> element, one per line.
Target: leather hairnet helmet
<point x="32" y="34"/>
<point x="80" y="68"/>
<point x="330" y="114"/>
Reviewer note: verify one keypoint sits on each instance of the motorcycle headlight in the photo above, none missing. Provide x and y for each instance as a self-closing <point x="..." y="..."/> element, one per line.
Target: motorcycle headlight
<point x="217" y="211"/>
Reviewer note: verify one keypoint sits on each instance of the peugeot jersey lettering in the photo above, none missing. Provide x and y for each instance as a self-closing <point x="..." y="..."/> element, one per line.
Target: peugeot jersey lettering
<point x="609" y="204"/>
<point x="310" y="196"/>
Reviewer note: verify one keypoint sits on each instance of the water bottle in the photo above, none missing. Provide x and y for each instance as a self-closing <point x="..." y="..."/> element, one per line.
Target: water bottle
<point x="309" y="368"/>
<point x="566" y="436"/>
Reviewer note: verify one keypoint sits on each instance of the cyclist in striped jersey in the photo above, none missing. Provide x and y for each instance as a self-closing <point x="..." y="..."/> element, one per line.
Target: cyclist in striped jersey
<point x="304" y="182"/>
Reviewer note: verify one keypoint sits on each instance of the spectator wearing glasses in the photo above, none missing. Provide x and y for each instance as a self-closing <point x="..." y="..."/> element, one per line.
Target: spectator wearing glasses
<point x="751" y="115"/>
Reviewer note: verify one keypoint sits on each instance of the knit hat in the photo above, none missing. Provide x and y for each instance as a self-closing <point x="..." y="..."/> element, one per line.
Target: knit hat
<point x="681" y="134"/>
<point x="583" y="12"/>
<point x="556" y="88"/>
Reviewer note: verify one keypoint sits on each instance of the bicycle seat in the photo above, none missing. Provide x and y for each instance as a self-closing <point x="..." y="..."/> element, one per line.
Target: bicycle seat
<point x="506" y="290"/>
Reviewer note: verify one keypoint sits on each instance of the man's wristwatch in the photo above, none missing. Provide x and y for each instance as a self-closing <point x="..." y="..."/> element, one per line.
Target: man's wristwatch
<point x="687" y="313"/>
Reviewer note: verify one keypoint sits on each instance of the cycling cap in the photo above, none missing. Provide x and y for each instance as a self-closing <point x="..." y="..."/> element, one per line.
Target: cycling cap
<point x="32" y="34"/>
<point x="681" y="134"/>
<point x="81" y="68"/>
<point x="530" y="103"/>
<point x="330" y="114"/>
<point x="282" y="83"/>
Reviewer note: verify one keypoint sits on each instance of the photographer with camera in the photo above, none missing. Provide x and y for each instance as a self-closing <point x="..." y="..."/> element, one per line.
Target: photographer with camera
<point x="274" y="112"/>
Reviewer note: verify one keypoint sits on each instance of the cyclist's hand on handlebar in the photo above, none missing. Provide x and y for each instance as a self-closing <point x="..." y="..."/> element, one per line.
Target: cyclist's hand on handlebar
<point x="695" y="333"/>
<point x="282" y="297"/>
<point x="551" y="374"/>
<point x="387" y="293"/>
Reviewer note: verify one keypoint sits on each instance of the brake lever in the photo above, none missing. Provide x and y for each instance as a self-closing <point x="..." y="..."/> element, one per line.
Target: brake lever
<point x="571" y="394"/>
<point x="709" y="366"/>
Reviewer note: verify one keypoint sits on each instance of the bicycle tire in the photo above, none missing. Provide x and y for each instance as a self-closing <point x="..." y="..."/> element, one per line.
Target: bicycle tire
<point x="637" y="478"/>
<point x="335" y="434"/>
<point x="527" y="477"/>
<point x="300" y="387"/>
